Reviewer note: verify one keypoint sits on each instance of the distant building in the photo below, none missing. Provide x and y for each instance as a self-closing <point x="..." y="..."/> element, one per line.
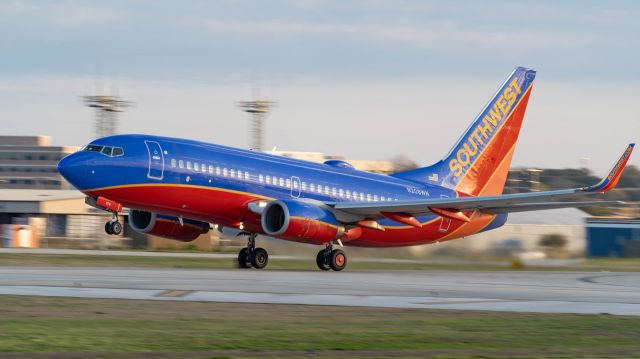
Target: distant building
<point x="613" y="237"/>
<point x="61" y="219"/>
<point x="29" y="162"/>
<point x="523" y="232"/>
<point x="382" y="167"/>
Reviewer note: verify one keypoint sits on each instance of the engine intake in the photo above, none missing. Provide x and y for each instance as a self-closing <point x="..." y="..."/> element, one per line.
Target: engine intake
<point x="166" y="226"/>
<point x="300" y="221"/>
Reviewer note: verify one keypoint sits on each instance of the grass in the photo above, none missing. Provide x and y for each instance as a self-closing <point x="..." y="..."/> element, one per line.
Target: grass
<point x="30" y="259"/>
<point x="128" y="328"/>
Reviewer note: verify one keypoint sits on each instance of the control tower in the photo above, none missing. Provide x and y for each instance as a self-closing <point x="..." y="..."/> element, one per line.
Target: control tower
<point x="107" y="109"/>
<point x="258" y="110"/>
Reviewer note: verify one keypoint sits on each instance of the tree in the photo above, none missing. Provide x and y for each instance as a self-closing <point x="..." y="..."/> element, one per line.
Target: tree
<point x="553" y="241"/>
<point x="403" y="163"/>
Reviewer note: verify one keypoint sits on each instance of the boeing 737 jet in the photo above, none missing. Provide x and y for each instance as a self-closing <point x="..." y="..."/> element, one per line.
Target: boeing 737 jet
<point x="178" y="189"/>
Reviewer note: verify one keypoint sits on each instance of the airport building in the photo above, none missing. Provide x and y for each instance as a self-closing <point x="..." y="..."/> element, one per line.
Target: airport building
<point x="523" y="233"/>
<point x="29" y="162"/>
<point x="613" y="237"/>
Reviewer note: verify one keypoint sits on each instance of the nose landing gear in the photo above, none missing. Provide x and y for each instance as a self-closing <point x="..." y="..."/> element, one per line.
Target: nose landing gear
<point x="330" y="258"/>
<point x="250" y="256"/>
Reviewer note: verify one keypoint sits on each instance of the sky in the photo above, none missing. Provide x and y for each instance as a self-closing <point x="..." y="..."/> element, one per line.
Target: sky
<point x="363" y="79"/>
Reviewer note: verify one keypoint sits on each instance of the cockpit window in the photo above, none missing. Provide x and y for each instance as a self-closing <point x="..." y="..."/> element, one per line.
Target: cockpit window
<point x="117" y="151"/>
<point x="105" y="150"/>
<point x="93" y="148"/>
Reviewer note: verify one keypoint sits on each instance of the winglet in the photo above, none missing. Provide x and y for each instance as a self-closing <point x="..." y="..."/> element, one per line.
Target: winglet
<point x="610" y="182"/>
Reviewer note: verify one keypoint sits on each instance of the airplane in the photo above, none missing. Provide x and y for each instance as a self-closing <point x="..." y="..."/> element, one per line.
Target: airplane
<point x="180" y="189"/>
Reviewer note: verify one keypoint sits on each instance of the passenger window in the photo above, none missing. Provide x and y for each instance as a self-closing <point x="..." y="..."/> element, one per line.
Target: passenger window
<point x="188" y="165"/>
<point x="173" y="162"/>
<point x="225" y="172"/>
<point x="368" y="197"/>
<point x="196" y="167"/>
<point x="375" y="198"/>
<point x="295" y="185"/>
<point x="382" y="198"/>
<point x="334" y="192"/>
<point x="348" y="194"/>
<point x="312" y="188"/>
<point x="326" y="190"/>
<point x="268" y="179"/>
<point x="233" y="172"/>
<point x="304" y="186"/>
<point x="281" y="181"/>
<point x="361" y="196"/>
<point x="117" y="151"/>
<point x="261" y="178"/>
<point x="217" y="170"/>
<point x="246" y="176"/>
<point x="340" y="193"/>
<point x="181" y="163"/>
<point x="210" y="169"/>
<point x="239" y="174"/>
<point x="288" y="183"/>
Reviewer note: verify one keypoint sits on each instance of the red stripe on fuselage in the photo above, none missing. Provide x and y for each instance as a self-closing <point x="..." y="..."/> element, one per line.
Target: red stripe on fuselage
<point x="229" y="208"/>
<point x="207" y="204"/>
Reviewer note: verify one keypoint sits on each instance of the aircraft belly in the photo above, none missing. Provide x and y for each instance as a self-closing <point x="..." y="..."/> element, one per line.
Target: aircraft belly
<point x="208" y="204"/>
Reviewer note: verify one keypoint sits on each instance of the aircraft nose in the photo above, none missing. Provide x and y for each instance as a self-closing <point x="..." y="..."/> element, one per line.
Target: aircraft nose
<point x="73" y="168"/>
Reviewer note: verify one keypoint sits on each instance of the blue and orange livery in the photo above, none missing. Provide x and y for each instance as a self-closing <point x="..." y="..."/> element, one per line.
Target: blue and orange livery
<point x="177" y="188"/>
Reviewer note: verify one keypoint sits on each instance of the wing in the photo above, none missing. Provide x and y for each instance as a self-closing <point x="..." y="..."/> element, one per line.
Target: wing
<point x="518" y="202"/>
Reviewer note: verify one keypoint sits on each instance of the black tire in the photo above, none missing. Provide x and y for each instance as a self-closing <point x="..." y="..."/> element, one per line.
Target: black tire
<point x="116" y="228"/>
<point x="107" y="228"/>
<point x="338" y="260"/>
<point x="320" y="261"/>
<point x="243" y="261"/>
<point x="260" y="258"/>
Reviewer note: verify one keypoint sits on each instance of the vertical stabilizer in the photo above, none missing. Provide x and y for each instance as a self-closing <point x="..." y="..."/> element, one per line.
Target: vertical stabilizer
<point x="479" y="162"/>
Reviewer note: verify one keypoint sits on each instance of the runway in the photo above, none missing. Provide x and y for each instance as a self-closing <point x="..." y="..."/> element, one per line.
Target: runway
<point x="550" y="292"/>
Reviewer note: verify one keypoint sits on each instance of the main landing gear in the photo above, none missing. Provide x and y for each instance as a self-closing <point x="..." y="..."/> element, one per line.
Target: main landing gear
<point x="250" y="256"/>
<point x="113" y="226"/>
<point x="330" y="258"/>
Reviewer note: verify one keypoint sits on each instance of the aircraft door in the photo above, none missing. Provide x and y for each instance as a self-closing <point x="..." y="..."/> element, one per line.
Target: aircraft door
<point x="445" y="223"/>
<point x="295" y="186"/>
<point x="156" y="160"/>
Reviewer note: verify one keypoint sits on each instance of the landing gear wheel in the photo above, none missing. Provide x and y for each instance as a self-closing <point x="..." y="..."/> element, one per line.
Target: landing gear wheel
<point x="116" y="228"/>
<point x="243" y="260"/>
<point x="107" y="228"/>
<point x="260" y="258"/>
<point x="338" y="260"/>
<point x="320" y="261"/>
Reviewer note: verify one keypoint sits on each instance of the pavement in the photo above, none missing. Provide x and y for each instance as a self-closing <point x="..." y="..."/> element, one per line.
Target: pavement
<point x="549" y="292"/>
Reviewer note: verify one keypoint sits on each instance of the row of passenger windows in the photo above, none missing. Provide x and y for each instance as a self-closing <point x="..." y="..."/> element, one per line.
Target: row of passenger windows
<point x="279" y="181"/>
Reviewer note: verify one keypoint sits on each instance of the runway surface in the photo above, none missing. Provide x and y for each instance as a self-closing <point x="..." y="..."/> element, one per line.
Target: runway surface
<point x="552" y="292"/>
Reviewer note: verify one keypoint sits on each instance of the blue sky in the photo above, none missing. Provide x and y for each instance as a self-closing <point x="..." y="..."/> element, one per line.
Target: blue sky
<point x="370" y="78"/>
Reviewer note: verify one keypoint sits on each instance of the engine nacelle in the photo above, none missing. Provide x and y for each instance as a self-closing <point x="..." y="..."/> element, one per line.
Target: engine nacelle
<point x="166" y="226"/>
<point x="300" y="221"/>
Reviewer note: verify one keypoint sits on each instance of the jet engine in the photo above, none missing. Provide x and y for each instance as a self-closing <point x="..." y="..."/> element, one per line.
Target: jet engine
<point x="300" y="221"/>
<point x="166" y="226"/>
